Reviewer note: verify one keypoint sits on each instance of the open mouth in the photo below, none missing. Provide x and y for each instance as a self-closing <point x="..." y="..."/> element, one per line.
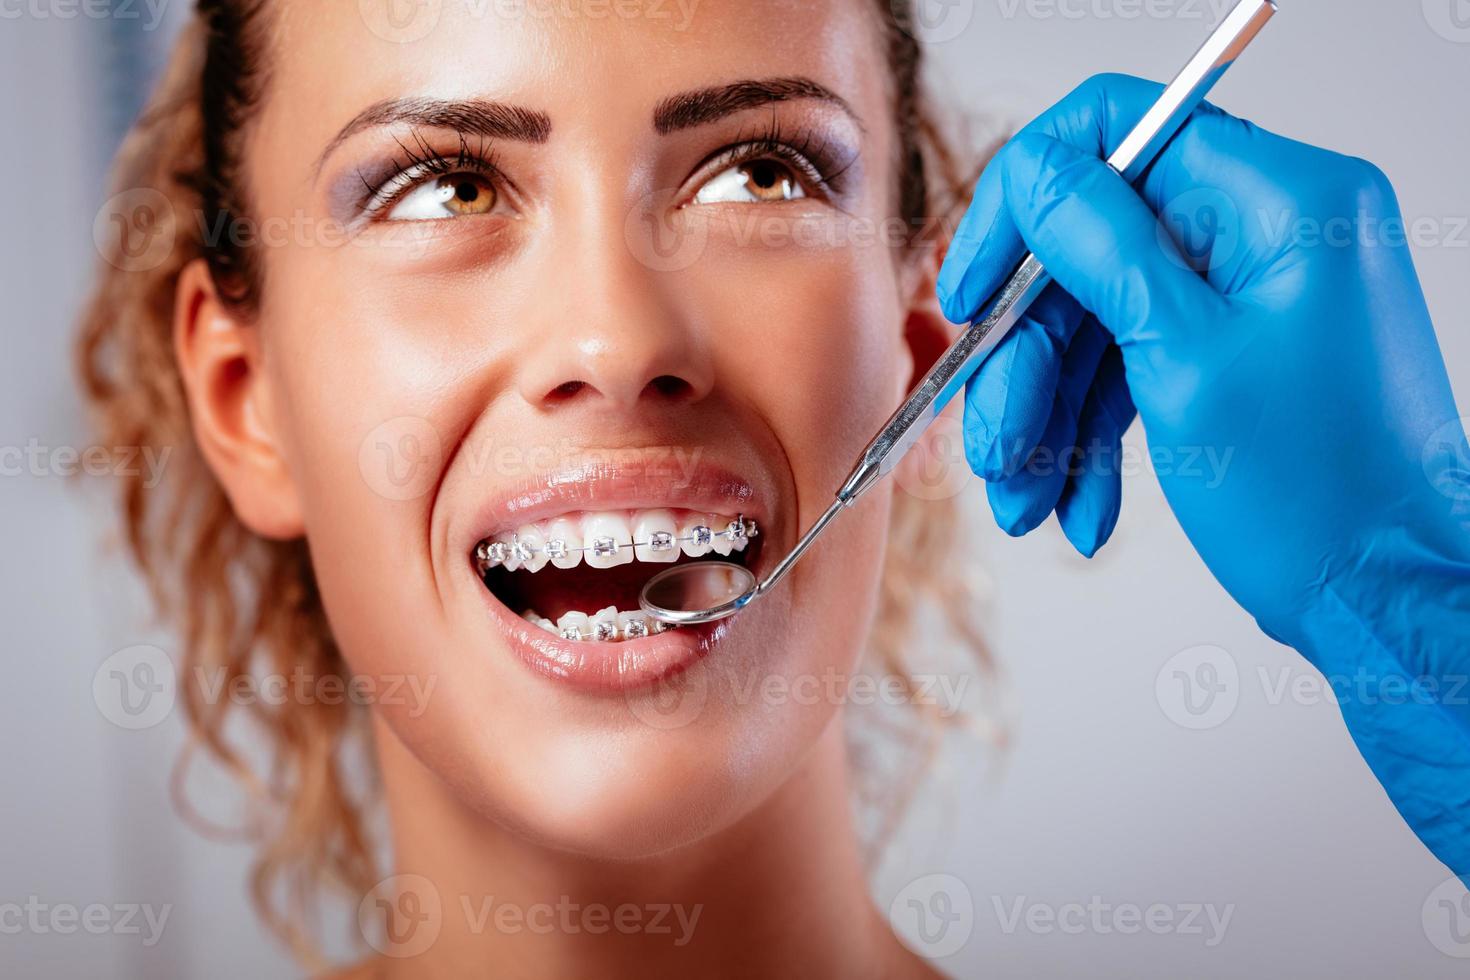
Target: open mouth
<point x="578" y="576"/>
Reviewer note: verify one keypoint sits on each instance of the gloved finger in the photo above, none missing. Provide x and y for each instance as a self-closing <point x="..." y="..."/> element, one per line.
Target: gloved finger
<point x="1009" y="400"/>
<point x="1022" y="501"/>
<point x="1093" y="497"/>
<point x="1095" y="118"/>
<point x="1100" y="242"/>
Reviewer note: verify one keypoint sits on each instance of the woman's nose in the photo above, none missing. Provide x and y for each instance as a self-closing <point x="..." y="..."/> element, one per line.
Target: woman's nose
<point x="618" y="339"/>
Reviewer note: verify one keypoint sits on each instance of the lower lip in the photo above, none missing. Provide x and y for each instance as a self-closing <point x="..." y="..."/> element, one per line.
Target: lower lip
<point x="606" y="668"/>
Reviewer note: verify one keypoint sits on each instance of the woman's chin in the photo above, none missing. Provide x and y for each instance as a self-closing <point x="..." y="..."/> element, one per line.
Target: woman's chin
<point x="631" y="799"/>
<point x="631" y="773"/>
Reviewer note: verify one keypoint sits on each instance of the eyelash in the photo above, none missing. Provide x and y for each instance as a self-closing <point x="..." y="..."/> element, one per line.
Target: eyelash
<point x="419" y="162"/>
<point x="812" y="159"/>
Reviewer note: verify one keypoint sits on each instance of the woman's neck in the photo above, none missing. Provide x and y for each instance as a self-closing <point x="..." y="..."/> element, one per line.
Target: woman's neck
<point x="782" y="892"/>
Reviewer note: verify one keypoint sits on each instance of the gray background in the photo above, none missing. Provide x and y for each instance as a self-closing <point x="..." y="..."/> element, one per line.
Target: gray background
<point x="1102" y="798"/>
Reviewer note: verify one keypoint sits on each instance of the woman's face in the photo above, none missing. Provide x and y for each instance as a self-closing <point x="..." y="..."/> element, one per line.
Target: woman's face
<point x="610" y="269"/>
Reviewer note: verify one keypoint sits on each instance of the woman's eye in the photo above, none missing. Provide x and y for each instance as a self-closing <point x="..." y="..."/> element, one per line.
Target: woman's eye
<point x="449" y="196"/>
<point x="757" y="181"/>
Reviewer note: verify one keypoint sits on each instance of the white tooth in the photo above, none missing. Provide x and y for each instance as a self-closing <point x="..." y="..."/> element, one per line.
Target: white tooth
<point x="574" y="621"/>
<point x="605" y="625"/>
<point x="632" y="625"/>
<point x="536" y="619"/>
<point x="651" y="528"/>
<point x="606" y="532"/>
<point x="695" y="535"/>
<point x="569" y="533"/>
<point x="721" y="541"/>
<point x="531" y="538"/>
<point x="512" y="561"/>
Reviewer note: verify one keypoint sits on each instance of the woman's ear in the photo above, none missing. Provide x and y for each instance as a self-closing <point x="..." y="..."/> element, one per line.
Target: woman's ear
<point x="229" y="400"/>
<point x="935" y="467"/>
<point x="926" y="332"/>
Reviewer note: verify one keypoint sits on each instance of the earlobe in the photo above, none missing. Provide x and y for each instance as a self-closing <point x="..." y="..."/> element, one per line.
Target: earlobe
<point x="228" y="393"/>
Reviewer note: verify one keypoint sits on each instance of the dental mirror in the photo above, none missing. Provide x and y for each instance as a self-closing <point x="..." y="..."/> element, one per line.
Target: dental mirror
<point x="702" y="592"/>
<point x="699" y="592"/>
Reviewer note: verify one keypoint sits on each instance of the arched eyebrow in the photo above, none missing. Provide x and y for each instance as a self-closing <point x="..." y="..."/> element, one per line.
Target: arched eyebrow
<point x="500" y="120"/>
<point x="474" y="117"/>
<point x="706" y="105"/>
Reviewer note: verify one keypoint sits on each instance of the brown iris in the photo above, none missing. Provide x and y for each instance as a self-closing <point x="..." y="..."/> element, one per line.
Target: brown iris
<point x="769" y="180"/>
<point x="467" y="193"/>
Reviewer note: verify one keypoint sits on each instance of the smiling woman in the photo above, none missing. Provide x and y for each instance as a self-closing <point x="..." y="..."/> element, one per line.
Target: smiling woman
<point x="468" y="274"/>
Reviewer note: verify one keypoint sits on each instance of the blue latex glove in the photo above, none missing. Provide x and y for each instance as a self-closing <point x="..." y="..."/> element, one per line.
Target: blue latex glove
<point x="1254" y="299"/>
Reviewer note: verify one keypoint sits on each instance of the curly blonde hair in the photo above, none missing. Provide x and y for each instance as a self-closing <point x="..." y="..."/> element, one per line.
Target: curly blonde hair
<point x="245" y="604"/>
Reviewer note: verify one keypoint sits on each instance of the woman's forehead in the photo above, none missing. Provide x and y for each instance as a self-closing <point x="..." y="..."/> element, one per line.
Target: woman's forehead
<point x="597" y="63"/>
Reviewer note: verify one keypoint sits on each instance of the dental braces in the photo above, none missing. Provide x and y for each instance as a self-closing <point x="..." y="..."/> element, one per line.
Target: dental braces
<point x="489" y="554"/>
<point x="608" y="631"/>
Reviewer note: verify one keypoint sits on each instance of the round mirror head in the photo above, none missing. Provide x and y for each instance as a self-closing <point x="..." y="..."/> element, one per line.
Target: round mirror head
<point x="699" y="592"/>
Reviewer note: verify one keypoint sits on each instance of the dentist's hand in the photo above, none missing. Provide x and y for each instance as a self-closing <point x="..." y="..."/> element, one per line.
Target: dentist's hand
<point x="1255" y="299"/>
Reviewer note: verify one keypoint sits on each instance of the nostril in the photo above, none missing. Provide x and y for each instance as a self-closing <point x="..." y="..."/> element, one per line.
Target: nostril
<point x="671" y="387"/>
<point x="665" y="386"/>
<point x="565" y="390"/>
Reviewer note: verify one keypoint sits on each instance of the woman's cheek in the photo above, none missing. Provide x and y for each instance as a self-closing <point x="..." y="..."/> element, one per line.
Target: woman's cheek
<point x="367" y="413"/>
<point x="813" y="318"/>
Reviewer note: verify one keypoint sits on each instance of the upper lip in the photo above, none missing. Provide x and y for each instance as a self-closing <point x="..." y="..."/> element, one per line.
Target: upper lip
<point x="650" y="483"/>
